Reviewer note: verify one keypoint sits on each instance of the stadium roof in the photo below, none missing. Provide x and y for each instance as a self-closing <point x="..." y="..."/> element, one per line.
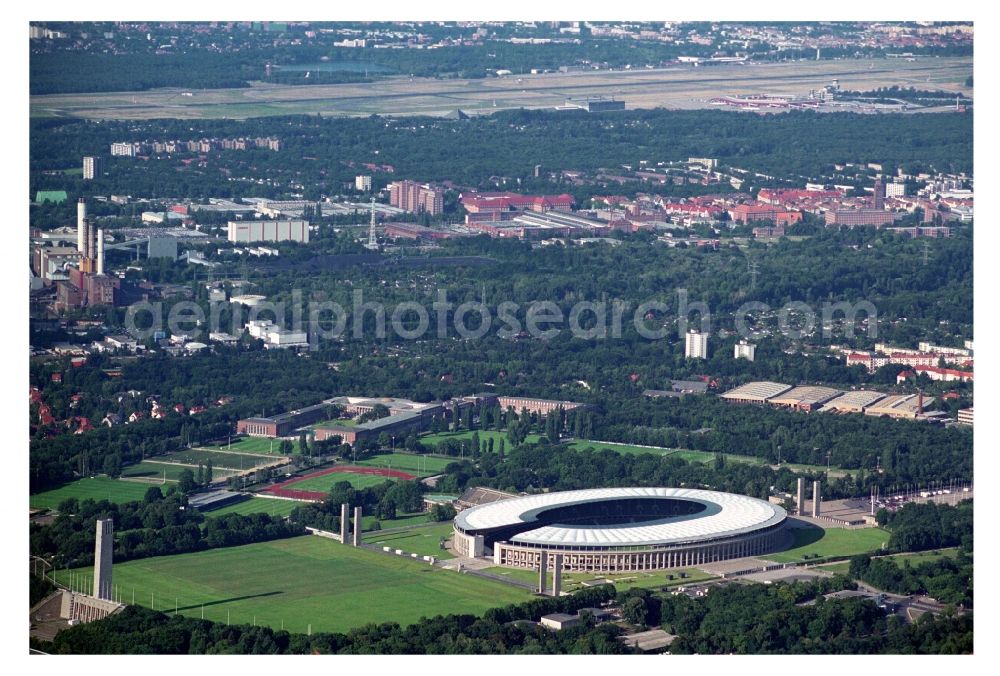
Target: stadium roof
<point x="726" y="515"/>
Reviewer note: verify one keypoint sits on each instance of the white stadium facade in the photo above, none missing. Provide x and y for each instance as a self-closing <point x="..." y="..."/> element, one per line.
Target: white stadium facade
<point x="613" y="530"/>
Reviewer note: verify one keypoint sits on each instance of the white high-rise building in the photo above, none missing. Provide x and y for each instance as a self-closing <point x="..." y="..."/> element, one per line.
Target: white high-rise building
<point x="744" y="350"/>
<point x="696" y="345"/>
<point x="363" y="183"/>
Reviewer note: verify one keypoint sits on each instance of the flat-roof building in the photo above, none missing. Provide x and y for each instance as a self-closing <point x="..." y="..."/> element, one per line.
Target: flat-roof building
<point x="853" y="402"/>
<point x="756" y="392"/>
<point x="805" y="398"/>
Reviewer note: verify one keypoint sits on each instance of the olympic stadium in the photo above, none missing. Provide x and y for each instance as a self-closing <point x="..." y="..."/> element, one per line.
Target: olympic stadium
<point x="613" y="530"/>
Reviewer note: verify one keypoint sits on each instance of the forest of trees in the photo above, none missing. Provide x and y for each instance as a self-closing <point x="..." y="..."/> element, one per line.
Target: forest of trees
<point x="948" y="580"/>
<point x="761" y="619"/>
<point x="317" y="150"/>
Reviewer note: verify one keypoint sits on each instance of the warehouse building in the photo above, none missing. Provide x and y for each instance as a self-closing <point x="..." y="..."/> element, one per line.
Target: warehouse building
<point x="805" y="398"/>
<point x="269" y="231"/>
<point x="908" y="406"/>
<point x="756" y="392"/>
<point x="853" y="402"/>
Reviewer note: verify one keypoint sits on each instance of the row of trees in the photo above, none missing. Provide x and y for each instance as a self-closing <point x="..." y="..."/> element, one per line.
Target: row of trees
<point x="156" y="526"/>
<point x="140" y="630"/>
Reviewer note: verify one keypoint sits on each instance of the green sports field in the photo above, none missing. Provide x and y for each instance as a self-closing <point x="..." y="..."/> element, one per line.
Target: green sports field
<point x="323" y="484"/>
<point x="402" y="520"/>
<point x="827" y="542"/>
<point x="96" y="488"/>
<point x="226" y="460"/>
<point x="421" y="465"/>
<point x="422" y="540"/>
<point x="150" y="469"/>
<point x="252" y="445"/>
<point x="257" y="506"/>
<point x="645" y="580"/>
<point x="301" y="581"/>
<point x="683" y="454"/>
<point x="435" y="439"/>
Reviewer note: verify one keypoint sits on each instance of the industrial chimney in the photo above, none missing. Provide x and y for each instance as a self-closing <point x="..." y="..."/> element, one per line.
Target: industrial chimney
<point x="81" y="217"/>
<point x="100" y="251"/>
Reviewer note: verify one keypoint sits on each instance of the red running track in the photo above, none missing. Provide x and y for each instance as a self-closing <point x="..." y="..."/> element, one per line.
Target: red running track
<point x="281" y="490"/>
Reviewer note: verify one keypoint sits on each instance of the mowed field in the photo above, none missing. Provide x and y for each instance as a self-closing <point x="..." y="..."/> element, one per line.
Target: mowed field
<point x="303" y="581"/>
<point x="323" y="484"/>
<point x="683" y="87"/>
<point x="914" y="558"/>
<point x="96" y="488"/>
<point x="628" y="449"/>
<point x="257" y="506"/>
<point x="153" y="470"/>
<point x="464" y="435"/>
<point x="423" y="540"/>
<point x="645" y="580"/>
<point x="420" y="465"/>
<point x="252" y="445"/>
<point x="827" y="542"/>
<point x="222" y="459"/>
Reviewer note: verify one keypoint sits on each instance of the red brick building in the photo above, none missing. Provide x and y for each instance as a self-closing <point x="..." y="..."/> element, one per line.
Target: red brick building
<point x="748" y="213"/>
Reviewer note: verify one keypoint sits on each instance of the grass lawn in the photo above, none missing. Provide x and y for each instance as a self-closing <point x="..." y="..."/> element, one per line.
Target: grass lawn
<point x="324" y="483"/>
<point x="916" y="558"/>
<point x="153" y="470"/>
<point x="831" y="542"/>
<point x="257" y="506"/>
<point x="421" y="539"/>
<point x="421" y="465"/>
<point x="150" y="469"/>
<point x="301" y="581"/>
<point x="234" y="461"/>
<point x="496" y="436"/>
<point x="628" y="449"/>
<point x="98" y="488"/>
<point x="253" y="445"/>
<point x="573" y="581"/>
<point x="400" y="520"/>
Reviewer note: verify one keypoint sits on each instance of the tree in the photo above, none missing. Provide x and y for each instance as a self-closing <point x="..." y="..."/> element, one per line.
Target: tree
<point x="208" y="472"/>
<point x="113" y="465"/>
<point x="634" y="611"/>
<point x="153" y="494"/>
<point x="186" y="482"/>
<point x="303" y="444"/>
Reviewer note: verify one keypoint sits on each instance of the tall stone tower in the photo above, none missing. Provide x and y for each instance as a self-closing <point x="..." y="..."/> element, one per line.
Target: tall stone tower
<point x="102" y="559"/>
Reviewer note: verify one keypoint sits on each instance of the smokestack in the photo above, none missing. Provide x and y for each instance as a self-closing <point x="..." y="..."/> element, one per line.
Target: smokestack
<point x="81" y="217"/>
<point x="88" y="248"/>
<point x="100" y="251"/>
